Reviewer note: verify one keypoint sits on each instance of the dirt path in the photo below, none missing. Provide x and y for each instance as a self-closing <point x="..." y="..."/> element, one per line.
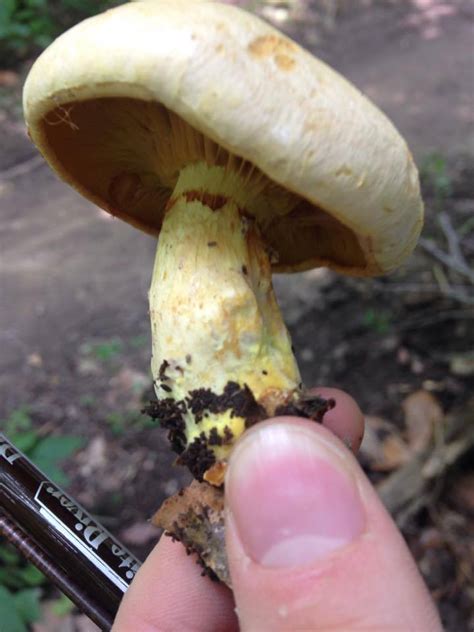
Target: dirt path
<point x="417" y="64"/>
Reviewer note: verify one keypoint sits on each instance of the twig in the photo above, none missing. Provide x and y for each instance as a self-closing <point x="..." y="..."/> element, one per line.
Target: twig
<point x="439" y="254"/>
<point x="422" y="288"/>
<point x="455" y="258"/>
<point x="432" y="318"/>
<point x="456" y="292"/>
<point x="466" y="228"/>
<point x="452" y="238"/>
<point x="412" y="487"/>
<point x="441" y="278"/>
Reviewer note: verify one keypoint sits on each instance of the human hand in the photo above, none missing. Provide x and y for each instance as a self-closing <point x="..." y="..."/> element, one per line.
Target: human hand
<point x="310" y="546"/>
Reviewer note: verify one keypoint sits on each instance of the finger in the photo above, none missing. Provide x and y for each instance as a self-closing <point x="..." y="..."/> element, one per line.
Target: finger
<point x="310" y="545"/>
<point x="169" y="594"/>
<point x="345" y="420"/>
<point x="153" y="610"/>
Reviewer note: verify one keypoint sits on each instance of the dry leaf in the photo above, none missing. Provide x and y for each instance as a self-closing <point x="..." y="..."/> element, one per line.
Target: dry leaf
<point x="127" y="386"/>
<point x="51" y="621"/>
<point x="422" y="414"/>
<point x="34" y="360"/>
<point x="84" y="624"/>
<point x="462" y="364"/>
<point x="461" y="493"/>
<point x="431" y="538"/>
<point x="8" y="78"/>
<point x="94" y="457"/>
<point x="383" y="447"/>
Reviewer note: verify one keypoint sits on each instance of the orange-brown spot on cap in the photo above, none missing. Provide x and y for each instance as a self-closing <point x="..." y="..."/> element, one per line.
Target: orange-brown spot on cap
<point x="284" y="62"/>
<point x="267" y="45"/>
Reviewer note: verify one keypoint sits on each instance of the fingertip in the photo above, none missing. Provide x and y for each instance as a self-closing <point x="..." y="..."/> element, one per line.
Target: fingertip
<point x="169" y="593"/>
<point x="308" y="539"/>
<point x="346" y="419"/>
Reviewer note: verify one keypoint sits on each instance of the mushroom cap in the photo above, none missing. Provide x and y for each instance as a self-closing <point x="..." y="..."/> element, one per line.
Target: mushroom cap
<point x="107" y="100"/>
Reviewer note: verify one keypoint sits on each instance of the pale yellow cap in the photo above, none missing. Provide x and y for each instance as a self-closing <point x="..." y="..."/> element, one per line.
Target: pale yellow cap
<point x="107" y="100"/>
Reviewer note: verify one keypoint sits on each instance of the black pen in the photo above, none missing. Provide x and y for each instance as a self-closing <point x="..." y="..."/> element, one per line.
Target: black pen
<point x="62" y="539"/>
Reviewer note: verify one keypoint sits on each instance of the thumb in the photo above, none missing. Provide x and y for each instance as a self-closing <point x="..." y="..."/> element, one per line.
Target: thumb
<point x="310" y="545"/>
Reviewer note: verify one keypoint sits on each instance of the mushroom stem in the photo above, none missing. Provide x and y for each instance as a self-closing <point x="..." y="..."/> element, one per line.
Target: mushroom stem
<point x="222" y="356"/>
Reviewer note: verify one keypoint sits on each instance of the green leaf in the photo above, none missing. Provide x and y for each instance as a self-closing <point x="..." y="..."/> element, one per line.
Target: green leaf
<point x="25" y="441"/>
<point x="7" y="9"/>
<point x="56" y="449"/>
<point x="87" y="401"/>
<point x="18" y="421"/>
<point x="27" y="604"/>
<point x="8" y="555"/>
<point x="15" y="574"/>
<point x="37" y="4"/>
<point x="51" y="451"/>
<point x="140" y="341"/>
<point x="31" y="576"/>
<point x="9" y="579"/>
<point x="54" y="473"/>
<point x="377" y="319"/>
<point x="43" y="40"/>
<point x="107" y="350"/>
<point x="10" y="620"/>
<point x="62" y="606"/>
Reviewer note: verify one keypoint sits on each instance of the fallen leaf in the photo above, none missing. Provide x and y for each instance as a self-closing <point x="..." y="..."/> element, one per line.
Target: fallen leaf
<point x="127" y="386"/>
<point x="94" y="457"/>
<point x="9" y="78"/>
<point x="51" y="622"/>
<point x="431" y="538"/>
<point x="84" y="624"/>
<point x="130" y="380"/>
<point x="461" y="493"/>
<point x="87" y="366"/>
<point x="422" y="414"/>
<point x="462" y="364"/>
<point x="34" y="360"/>
<point x="403" y="356"/>
<point x="416" y="366"/>
<point x="383" y="447"/>
<point x="395" y="453"/>
<point x="169" y="487"/>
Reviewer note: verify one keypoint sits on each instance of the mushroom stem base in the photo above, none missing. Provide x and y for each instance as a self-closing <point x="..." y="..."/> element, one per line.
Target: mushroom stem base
<point x="195" y="515"/>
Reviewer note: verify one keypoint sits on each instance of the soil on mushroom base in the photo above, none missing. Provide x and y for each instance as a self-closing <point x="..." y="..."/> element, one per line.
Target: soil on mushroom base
<point x="74" y="323"/>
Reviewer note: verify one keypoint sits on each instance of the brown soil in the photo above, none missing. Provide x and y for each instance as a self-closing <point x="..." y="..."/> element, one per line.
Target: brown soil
<point x="74" y="332"/>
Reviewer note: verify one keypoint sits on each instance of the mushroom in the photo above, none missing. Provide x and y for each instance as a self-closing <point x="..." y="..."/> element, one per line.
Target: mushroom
<point x="201" y="124"/>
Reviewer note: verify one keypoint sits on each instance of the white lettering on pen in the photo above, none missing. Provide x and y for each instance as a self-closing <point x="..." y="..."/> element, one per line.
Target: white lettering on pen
<point x="89" y="532"/>
<point x="8" y="453"/>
